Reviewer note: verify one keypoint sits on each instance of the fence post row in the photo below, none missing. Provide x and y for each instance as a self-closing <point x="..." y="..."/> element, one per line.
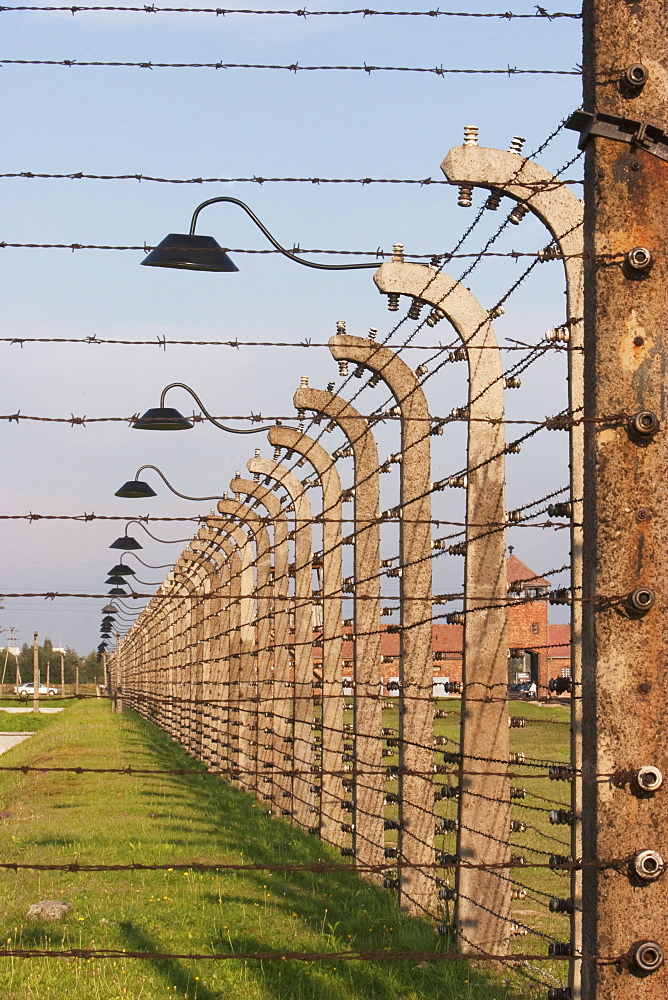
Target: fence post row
<point x="303" y="798"/>
<point x="331" y="731"/>
<point x="368" y="792"/>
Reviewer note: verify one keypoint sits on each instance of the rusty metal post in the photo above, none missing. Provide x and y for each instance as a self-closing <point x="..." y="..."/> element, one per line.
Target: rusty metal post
<point x="279" y="710"/>
<point x="625" y="683"/>
<point x="332" y="690"/>
<point x="562" y="213"/>
<point x="417" y="885"/>
<point x="302" y="754"/>
<point x="368" y="773"/>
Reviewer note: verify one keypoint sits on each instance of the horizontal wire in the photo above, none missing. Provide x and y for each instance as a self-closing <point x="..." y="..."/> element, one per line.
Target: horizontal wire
<point x="315" y="866"/>
<point x="512" y="254"/>
<point x="334" y="956"/>
<point x="292" y="67"/>
<point x="164" y="342"/>
<point x="302" y="12"/>
<point x="78" y="175"/>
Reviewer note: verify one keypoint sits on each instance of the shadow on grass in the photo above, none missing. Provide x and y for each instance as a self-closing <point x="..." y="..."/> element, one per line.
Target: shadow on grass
<point x="337" y="909"/>
<point x="176" y="975"/>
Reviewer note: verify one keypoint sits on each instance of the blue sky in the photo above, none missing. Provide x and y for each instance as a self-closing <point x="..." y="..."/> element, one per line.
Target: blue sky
<point x="184" y="123"/>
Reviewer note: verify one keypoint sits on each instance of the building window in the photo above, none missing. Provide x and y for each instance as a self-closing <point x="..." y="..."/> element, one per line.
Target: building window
<point x="534" y="626"/>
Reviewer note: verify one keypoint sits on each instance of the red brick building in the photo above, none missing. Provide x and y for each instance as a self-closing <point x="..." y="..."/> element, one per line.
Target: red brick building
<point x="536" y="649"/>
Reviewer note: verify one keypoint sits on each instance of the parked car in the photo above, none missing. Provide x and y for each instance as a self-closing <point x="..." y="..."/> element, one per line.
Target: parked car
<point x="526" y="689"/>
<point x="26" y="691"/>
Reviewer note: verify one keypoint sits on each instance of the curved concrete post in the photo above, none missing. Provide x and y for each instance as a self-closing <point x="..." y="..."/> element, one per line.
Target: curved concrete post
<point x="563" y="215"/>
<point x="278" y="733"/>
<point x="484" y="732"/>
<point x="368" y="772"/>
<point x="303" y="797"/>
<point x="417" y="885"/>
<point x="332" y="689"/>
<point x="256" y="687"/>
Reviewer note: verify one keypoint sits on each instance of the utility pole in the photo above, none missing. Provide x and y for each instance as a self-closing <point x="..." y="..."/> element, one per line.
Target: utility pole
<point x="625" y="587"/>
<point x="35" y="673"/>
<point x="62" y="674"/>
<point x="76" y="679"/>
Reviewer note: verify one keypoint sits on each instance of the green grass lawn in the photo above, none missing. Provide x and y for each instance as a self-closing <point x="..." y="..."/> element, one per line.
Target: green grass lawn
<point x="116" y="819"/>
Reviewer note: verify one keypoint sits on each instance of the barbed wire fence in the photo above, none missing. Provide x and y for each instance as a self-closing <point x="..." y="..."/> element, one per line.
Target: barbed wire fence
<point x="244" y="656"/>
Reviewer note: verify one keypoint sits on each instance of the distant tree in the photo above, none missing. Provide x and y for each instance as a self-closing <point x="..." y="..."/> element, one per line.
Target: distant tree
<point x="90" y="672"/>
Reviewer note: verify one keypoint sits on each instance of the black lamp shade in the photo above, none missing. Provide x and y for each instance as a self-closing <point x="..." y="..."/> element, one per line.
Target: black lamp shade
<point x="120" y="570"/>
<point x="162" y="418"/>
<point x="114" y="581"/>
<point x="135" y="489"/>
<point x="118" y="592"/>
<point x="126" y="542"/>
<point x="109" y="609"/>
<point x="190" y="253"/>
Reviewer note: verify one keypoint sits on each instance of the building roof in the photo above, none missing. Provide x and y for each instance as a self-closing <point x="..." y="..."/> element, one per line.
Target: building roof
<point x="518" y="572"/>
<point x="559" y="639"/>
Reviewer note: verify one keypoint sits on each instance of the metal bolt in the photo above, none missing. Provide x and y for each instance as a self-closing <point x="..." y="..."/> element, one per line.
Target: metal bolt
<point x="647" y="956"/>
<point x="636" y="75"/>
<point x="644" y="424"/>
<point x="648" y="778"/>
<point x="639" y="258"/>
<point x="304" y="382"/>
<point x="641" y="599"/>
<point x="648" y="865"/>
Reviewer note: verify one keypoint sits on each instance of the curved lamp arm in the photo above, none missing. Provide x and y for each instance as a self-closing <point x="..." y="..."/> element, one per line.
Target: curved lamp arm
<point x="163" y="541"/>
<point x="272" y="240"/>
<point x="169" y="485"/>
<point x="148" y="565"/>
<point x="216" y="423"/>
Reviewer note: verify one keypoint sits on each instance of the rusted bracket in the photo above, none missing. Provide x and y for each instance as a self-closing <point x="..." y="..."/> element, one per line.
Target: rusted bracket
<point x="642" y="135"/>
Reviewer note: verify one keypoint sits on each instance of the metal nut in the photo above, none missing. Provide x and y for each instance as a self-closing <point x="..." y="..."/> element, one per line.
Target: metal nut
<point x="647" y="956"/>
<point x="636" y="75"/>
<point x="639" y="258"/>
<point x="641" y="599"/>
<point x="648" y="778"/>
<point x="647" y="865"/>
<point x="644" y="424"/>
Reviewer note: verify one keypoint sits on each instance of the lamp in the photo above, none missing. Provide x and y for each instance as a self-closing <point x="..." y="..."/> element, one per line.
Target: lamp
<point x="118" y="592"/>
<point x="114" y="581"/>
<point x="166" y="418"/>
<point x="110" y="609"/>
<point x="203" y="253"/>
<point x="126" y="542"/>
<point x="120" y="569"/>
<point x="126" y="489"/>
<point x="135" y="489"/>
